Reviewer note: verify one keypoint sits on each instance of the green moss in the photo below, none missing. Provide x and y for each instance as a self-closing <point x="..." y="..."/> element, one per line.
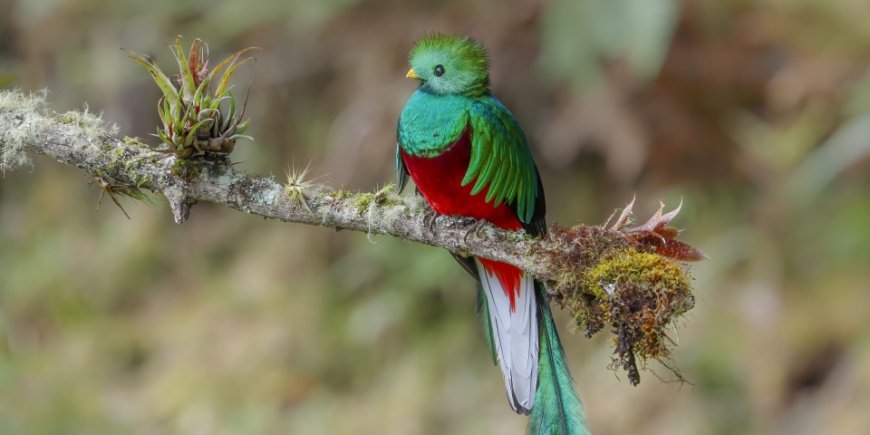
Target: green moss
<point x="135" y="142"/>
<point x="362" y="201"/>
<point x="653" y="273"/>
<point x="142" y="180"/>
<point x="576" y="249"/>
<point x="639" y="294"/>
<point x="66" y="118"/>
<point x="387" y="194"/>
<point x="340" y="194"/>
<point x="116" y="164"/>
<point x="187" y="168"/>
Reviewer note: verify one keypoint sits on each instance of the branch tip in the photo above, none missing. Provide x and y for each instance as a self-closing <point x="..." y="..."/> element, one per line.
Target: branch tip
<point x="179" y="202"/>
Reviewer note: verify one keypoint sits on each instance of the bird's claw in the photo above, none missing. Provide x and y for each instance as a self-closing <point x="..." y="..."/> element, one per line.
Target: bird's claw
<point x="476" y="225"/>
<point x="429" y="221"/>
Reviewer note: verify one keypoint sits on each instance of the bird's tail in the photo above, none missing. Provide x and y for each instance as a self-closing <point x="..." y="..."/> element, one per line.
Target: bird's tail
<point x="510" y="316"/>
<point x="557" y="409"/>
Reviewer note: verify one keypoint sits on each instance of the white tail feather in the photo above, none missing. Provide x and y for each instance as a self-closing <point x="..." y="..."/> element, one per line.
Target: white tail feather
<point x="515" y="337"/>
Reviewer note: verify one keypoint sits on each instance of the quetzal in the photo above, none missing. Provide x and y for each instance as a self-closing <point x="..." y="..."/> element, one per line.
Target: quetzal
<point x="468" y="156"/>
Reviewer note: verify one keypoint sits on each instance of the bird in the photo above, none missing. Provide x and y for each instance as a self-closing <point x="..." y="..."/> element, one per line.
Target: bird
<point x="468" y="156"/>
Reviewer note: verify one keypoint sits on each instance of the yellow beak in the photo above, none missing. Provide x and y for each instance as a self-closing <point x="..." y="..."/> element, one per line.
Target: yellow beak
<point x="411" y="74"/>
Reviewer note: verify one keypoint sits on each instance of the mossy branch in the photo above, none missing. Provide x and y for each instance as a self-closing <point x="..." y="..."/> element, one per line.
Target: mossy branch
<point x="590" y="270"/>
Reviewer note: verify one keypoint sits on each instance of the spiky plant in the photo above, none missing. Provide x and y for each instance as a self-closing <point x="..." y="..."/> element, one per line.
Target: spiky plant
<point x="197" y="119"/>
<point x="297" y="184"/>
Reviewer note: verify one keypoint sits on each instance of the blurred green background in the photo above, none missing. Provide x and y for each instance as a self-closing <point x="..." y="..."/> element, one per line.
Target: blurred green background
<point x="755" y="113"/>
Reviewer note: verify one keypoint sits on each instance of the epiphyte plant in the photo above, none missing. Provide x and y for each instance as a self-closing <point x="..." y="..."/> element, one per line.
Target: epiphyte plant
<point x="198" y="119"/>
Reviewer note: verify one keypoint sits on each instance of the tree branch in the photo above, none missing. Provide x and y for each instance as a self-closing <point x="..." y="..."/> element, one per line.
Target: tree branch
<point x="566" y="260"/>
<point x="83" y="140"/>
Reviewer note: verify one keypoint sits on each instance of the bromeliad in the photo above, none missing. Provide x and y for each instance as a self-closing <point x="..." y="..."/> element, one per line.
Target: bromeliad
<point x="468" y="156"/>
<point x="196" y="120"/>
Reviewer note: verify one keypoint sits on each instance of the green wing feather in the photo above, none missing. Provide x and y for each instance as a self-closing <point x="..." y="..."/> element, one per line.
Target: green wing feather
<point x="500" y="158"/>
<point x="483" y="312"/>
<point x="557" y="409"/>
<point x="401" y="170"/>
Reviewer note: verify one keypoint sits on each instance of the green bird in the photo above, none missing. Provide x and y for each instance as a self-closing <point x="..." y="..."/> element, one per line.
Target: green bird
<point x="468" y="156"/>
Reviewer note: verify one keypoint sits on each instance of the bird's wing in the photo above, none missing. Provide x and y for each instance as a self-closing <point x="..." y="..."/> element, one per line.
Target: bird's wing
<point x="401" y="170"/>
<point x="500" y="159"/>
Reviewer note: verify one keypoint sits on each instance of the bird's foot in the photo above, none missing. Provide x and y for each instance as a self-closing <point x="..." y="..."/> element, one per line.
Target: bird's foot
<point x="429" y="221"/>
<point x="476" y="225"/>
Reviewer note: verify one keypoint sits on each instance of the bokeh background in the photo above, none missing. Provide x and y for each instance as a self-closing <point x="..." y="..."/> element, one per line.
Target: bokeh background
<point x="755" y="113"/>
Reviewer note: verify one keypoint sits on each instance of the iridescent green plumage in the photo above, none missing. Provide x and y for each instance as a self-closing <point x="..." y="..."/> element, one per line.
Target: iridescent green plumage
<point x="500" y="158"/>
<point x="445" y="106"/>
<point x="463" y="59"/>
<point x="557" y="409"/>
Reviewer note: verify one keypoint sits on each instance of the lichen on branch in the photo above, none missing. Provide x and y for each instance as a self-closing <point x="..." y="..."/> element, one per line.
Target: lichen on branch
<point x="617" y="275"/>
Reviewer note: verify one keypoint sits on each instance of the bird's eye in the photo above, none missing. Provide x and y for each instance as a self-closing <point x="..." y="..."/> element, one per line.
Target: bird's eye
<point x="439" y="70"/>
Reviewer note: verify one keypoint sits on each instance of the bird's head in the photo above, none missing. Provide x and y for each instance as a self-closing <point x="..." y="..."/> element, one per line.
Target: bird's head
<point x="450" y="65"/>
